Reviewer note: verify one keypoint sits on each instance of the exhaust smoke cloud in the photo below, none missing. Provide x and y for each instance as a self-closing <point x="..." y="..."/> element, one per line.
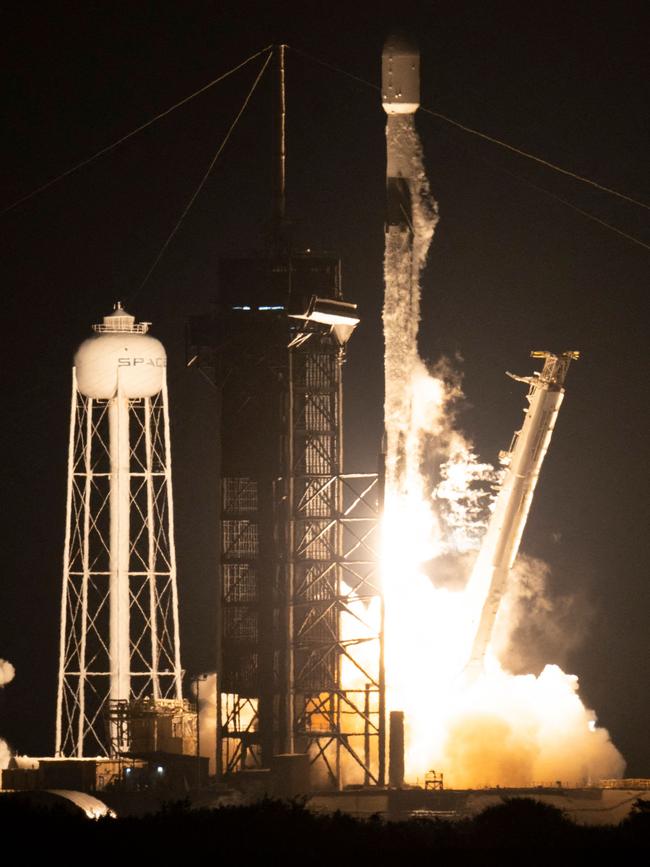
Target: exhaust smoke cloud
<point x="7" y="674"/>
<point x="494" y="727"/>
<point x="204" y="691"/>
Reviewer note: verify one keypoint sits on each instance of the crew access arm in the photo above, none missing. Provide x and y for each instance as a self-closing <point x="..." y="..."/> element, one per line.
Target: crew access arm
<point x="523" y="462"/>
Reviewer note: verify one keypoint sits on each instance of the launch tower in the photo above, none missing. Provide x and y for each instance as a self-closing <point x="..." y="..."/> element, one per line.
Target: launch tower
<point x="119" y="640"/>
<point x="297" y="554"/>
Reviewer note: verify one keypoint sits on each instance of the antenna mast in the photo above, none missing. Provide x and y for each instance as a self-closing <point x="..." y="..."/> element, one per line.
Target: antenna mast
<point x="280" y="155"/>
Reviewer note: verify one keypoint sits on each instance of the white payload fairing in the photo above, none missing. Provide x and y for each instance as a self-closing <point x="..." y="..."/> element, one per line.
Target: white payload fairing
<point x="400" y="75"/>
<point x="400" y="95"/>
<point x="523" y="462"/>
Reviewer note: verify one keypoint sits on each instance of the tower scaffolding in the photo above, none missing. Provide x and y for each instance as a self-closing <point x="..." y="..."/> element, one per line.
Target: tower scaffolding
<point x="335" y="695"/>
<point x="299" y="631"/>
<point x="119" y="638"/>
<point x="298" y="634"/>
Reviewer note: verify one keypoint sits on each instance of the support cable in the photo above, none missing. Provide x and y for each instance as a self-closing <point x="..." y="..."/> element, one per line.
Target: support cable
<point x="203" y="179"/>
<point x="358" y="79"/>
<point x="485" y="136"/>
<point x="551" y="195"/>
<point x="573" y="207"/>
<point x="542" y="162"/>
<point x="133" y="132"/>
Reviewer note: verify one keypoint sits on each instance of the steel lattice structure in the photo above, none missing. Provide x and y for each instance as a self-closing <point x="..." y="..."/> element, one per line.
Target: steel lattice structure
<point x="119" y="638"/>
<point x="334" y="685"/>
<point x="299" y="625"/>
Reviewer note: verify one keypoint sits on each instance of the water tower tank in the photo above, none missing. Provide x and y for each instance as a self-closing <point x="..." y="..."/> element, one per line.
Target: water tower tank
<point x="120" y="351"/>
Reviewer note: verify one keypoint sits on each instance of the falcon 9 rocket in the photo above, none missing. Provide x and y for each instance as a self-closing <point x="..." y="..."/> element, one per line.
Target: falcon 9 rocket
<point x="411" y="216"/>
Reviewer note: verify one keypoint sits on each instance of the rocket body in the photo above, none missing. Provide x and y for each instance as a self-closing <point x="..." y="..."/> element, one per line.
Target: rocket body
<point x="400" y="89"/>
<point x="411" y="216"/>
<point x="400" y="64"/>
<point x="400" y="76"/>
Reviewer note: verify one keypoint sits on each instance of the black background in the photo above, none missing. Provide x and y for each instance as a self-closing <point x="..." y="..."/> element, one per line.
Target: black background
<point x="511" y="269"/>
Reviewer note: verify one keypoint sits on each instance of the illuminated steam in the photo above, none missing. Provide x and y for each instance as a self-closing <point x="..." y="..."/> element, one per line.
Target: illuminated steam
<point x="206" y="700"/>
<point x="534" y="626"/>
<point x="7" y="674"/>
<point x="497" y="727"/>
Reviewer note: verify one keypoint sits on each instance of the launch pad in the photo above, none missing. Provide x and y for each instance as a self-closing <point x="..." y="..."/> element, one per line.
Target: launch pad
<point x="303" y="696"/>
<point x="301" y="672"/>
<point x="602" y="804"/>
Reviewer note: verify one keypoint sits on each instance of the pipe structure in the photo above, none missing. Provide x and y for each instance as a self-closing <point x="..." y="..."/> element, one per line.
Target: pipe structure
<point x="119" y="550"/>
<point x="396" y="750"/>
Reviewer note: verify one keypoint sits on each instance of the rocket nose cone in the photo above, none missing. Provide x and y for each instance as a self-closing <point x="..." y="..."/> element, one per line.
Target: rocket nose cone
<point x="400" y="42"/>
<point x="400" y="74"/>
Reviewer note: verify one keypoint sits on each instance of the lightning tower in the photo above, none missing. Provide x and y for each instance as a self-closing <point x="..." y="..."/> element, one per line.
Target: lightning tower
<point x="297" y="562"/>
<point x="119" y="640"/>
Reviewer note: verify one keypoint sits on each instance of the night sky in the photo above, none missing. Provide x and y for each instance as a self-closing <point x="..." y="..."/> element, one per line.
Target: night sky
<point x="511" y="269"/>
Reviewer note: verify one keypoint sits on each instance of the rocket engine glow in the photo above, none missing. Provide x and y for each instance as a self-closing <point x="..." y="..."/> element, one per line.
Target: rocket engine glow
<point x="493" y="727"/>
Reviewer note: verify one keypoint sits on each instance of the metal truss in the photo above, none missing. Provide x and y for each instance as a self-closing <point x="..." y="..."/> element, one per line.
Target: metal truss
<point x="334" y="668"/>
<point x="302" y="625"/>
<point x="87" y="674"/>
<point x="238" y="739"/>
<point x="338" y="686"/>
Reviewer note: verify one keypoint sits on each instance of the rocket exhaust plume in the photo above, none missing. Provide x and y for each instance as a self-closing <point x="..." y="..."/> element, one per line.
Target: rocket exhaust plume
<point x="440" y="601"/>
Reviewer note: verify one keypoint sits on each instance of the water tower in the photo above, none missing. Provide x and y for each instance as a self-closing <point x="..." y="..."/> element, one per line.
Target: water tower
<point x="119" y="641"/>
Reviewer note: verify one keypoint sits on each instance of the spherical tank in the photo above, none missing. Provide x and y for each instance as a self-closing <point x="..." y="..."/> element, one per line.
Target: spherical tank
<point x="120" y="353"/>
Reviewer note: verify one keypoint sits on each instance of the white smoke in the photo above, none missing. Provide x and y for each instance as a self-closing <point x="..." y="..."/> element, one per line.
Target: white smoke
<point x="524" y="730"/>
<point x="498" y="728"/>
<point x="534" y="624"/>
<point x="207" y="705"/>
<point x="7" y="674"/>
<point x="5" y="754"/>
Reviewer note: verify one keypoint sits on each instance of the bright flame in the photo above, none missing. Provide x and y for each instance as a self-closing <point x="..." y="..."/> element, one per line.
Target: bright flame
<point x="496" y="728"/>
